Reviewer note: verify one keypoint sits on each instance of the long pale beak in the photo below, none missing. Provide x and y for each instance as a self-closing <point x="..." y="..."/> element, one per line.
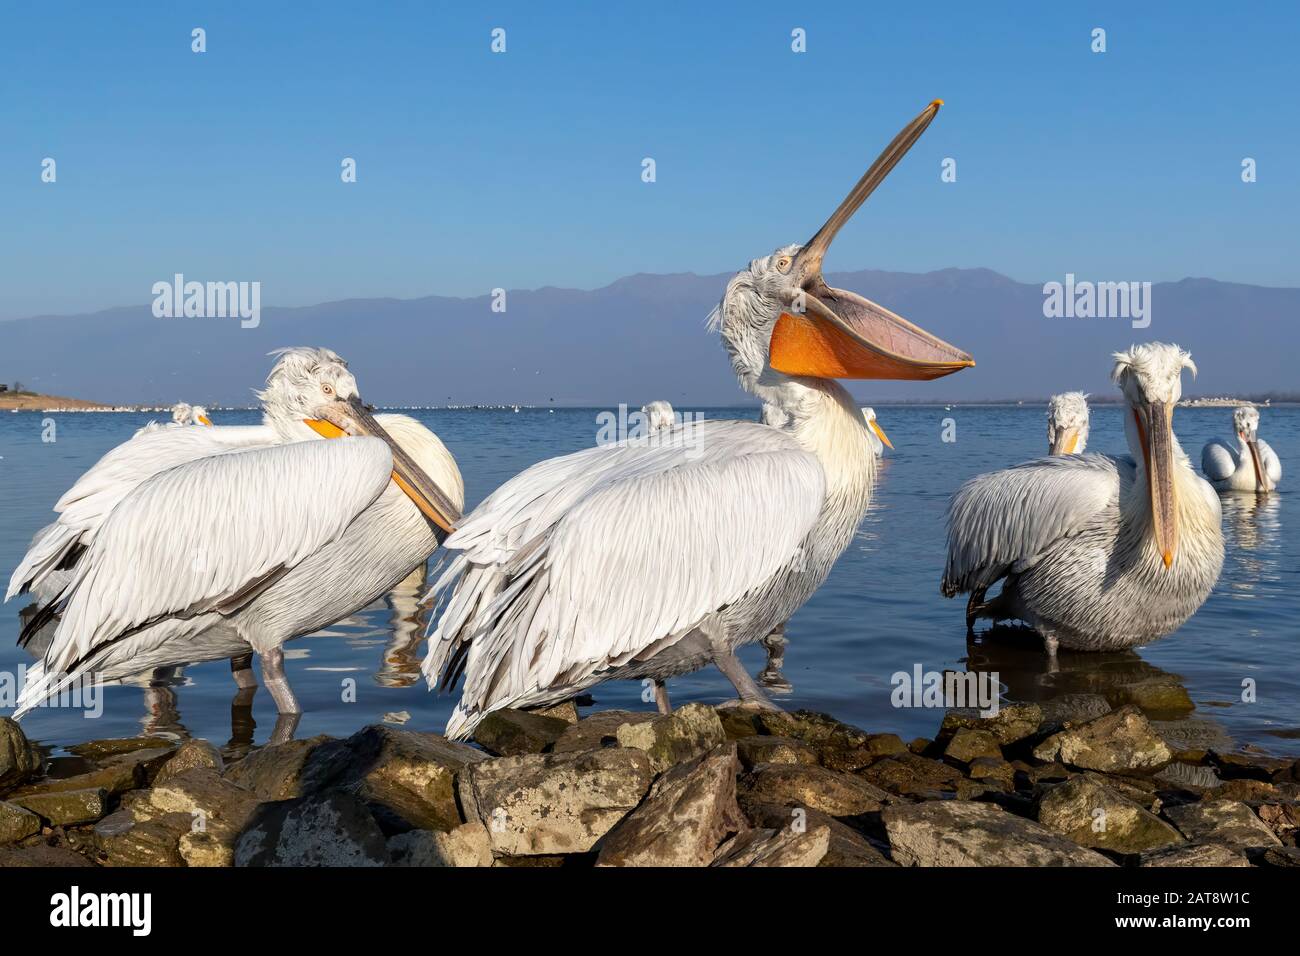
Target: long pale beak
<point x="880" y="432"/>
<point x="204" y="420"/>
<point x="1261" y="479"/>
<point x="1067" y="440"/>
<point x="1158" y="452"/>
<point x="351" y="418"/>
<point x="832" y="333"/>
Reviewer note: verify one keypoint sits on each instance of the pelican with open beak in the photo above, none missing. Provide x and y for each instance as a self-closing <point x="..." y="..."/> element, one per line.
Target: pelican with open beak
<point x="649" y="560"/>
<point x="1095" y="552"/>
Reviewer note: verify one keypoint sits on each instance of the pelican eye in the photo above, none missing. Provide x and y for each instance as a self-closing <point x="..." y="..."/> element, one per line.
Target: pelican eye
<point x="783" y="264"/>
<point x="327" y="389"/>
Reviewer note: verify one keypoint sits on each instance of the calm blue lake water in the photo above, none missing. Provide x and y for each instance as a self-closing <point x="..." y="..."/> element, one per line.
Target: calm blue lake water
<point x="880" y="611"/>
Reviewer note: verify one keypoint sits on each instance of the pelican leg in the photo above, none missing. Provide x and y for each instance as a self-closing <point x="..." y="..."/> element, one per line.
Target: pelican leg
<point x="275" y="681"/>
<point x="734" y="671"/>
<point x="661" y="698"/>
<point x="241" y="669"/>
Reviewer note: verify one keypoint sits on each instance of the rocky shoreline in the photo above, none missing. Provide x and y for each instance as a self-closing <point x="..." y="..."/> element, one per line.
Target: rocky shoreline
<point x="703" y="786"/>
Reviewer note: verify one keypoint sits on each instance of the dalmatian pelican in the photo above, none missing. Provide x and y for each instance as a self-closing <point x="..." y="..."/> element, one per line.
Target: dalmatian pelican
<point x="1249" y="464"/>
<point x="875" y="434"/>
<point x="650" y="559"/>
<point x="1095" y="552"/>
<point x="198" y="544"/>
<point x="1067" y="424"/>
<point x="658" y="416"/>
<point x="185" y="414"/>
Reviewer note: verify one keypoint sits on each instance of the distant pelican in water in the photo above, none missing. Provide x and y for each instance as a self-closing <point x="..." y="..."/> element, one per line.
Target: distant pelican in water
<point x="1067" y="424"/>
<point x="658" y="416"/>
<point x="644" y="560"/>
<point x="183" y="414"/>
<point x="875" y="433"/>
<point x="1097" y="552"/>
<point x="234" y="550"/>
<point x="1248" y="464"/>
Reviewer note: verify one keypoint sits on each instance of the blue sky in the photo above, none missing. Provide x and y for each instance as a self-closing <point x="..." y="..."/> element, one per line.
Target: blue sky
<point x="478" y="170"/>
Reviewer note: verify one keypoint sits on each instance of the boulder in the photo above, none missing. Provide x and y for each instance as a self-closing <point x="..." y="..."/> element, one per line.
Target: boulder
<point x="1222" y="821"/>
<point x="17" y="823"/>
<point x="950" y="833"/>
<point x="329" y="829"/>
<point x="1194" y="854"/>
<point x="840" y="746"/>
<point x="784" y="847"/>
<point x="467" y="845"/>
<point x="599" y="730"/>
<point x="1094" y="815"/>
<point x="566" y="711"/>
<point x="910" y="775"/>
<point x="1011" y="723"/>
<point x="1161" y="696"/>
<point x="408" y="778"/>
<point x="758" y="749"/>
<point x="508" y="732"/>
<point x="690" y="810"/>
<point x="847" y="848"/>
<point x="813" y="787"/>
<point x="275" y="772"/>
<point x="969" y="743"/>
<point x="45" y="857"/>
<point x="668" y="740"/>
<point x="539" y="804"/>
<point x="993" y="771"/>
<point x="66" y="807"/>
<point x="19" y="759"/>
<point x="188" y="756"/>
<point x="100" y="750"/>
<point x="1120" y="740"/>
<point x="124" y="840"/>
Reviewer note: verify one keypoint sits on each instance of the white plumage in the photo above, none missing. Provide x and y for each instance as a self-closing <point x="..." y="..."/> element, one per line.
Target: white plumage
<point x="1244" y="463"/>
<point x="201" y="544"/>
<point x="1067" y="424"/>
<point x="652" y="558"/>
<point x="1097" y="552"/>
<point x="658" y="416"/>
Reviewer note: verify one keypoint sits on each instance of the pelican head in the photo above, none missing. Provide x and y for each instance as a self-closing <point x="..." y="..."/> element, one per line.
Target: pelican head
<point x="779" y="318"/>
<point x="199" y="416"/>
<point x="1150" y="376"/>
<point x="182" y="413"/>
<point x="869" y="416"/>
<point x="311" y="393"/>
<point x="1067" y="424"/>
<point x="1245" y="420"/>
<point x="658" y="416"/>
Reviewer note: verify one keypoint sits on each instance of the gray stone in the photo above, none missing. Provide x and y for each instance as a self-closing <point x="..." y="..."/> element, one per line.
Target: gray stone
<point x="969" y="743"/>
<point x="1222" y="821"/>
<point x="783" y="847"/>
<point x="66" y="807"/>
<point x="690" y="810"/>
<point x="910" y="775"/>
<point x="17" y="823"/>
<point x="1120" y="740"/>
<point x="951" y="833"/>
<point x="509" y="732"/>
<point x="539" y="804"/>
<point x="848" y="847"/>
<point x="19" y="759"/>
<point x="275" y="772"/>
<point x="331" y="829"/>
<point x="817" y="788"/>
<point x="408" y="778"/>
<point x="1011" y="723"/>
<point x="188" y="756"/>
<point x="124" y="840"/>
<point x="1194" y="854"/>
<point x="668" y="740"/>
<point x="467" y="845"/>
<point x="1097" y="816"/>
<point x="599" y="730"/>
<point x="758" y="749"/>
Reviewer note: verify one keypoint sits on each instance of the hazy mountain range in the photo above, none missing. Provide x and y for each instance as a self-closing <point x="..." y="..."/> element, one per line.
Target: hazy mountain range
<point x="640" y="338"/>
